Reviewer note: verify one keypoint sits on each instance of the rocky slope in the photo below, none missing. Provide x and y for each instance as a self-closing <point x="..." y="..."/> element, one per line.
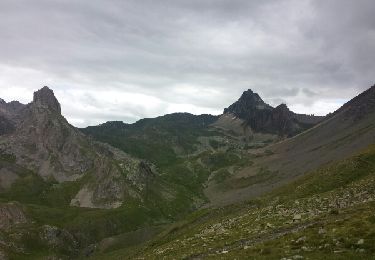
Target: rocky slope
<point x="38" y="138"/>
<point x="254" y="115"/>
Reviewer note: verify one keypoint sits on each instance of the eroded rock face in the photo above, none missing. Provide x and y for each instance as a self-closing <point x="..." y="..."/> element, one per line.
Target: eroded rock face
<point x="44" y="142"/>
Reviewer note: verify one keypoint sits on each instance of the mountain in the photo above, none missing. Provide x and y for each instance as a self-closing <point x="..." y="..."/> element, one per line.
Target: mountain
<point x="198" y="152"/>
<point x="346" y="131"/>
<point x="62" y="193"/>
<point x="253" y="113"/>
<point x="307" y="197"/>
<point x="233" y="186"/>
<point x="38" y="138"/>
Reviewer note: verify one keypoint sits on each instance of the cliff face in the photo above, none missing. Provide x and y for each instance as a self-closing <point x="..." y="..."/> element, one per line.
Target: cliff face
<point x="263" y="118"/>
<point x="41" y="140"/>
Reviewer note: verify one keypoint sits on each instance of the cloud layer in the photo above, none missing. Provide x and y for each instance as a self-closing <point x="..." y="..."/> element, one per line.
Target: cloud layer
<point x="125" y="59"/>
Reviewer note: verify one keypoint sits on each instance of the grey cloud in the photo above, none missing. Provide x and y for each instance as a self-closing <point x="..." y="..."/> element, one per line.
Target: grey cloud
<point x="309" y="92"/>
<point x="298" y="51"/>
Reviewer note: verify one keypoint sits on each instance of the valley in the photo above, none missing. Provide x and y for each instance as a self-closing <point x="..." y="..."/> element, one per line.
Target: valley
<point x="257" y="181"/>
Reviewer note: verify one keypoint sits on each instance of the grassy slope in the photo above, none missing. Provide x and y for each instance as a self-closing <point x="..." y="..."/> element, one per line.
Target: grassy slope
<point x="335" y="203"/>
<point x="172" y="143"/>
<point x="154" y="138"/>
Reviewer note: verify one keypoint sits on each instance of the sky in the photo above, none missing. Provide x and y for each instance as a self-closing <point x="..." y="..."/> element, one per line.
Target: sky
<point x="126" y="60"/>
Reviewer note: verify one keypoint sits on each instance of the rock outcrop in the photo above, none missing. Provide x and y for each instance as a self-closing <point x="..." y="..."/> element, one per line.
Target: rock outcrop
<point x="45" y="97"/>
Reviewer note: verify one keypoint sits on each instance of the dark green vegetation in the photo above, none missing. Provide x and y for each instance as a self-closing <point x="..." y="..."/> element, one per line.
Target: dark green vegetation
<point x="327" y="214"/>
<point x="183" y="147"/>
<point x="159" y="140"/>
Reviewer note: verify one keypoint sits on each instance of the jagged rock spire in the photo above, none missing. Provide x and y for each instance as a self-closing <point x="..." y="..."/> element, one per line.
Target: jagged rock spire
<point x="248" y="102"/>
<point x="46" y="98"/>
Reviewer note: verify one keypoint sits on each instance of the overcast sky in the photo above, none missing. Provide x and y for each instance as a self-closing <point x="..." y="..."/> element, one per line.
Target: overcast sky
<point x="126" y="60"/>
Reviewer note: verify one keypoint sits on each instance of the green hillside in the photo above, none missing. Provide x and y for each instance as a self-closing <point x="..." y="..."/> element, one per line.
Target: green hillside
<point x="327" y="214"/>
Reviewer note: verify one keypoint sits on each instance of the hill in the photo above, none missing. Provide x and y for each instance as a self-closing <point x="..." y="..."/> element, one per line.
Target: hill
<point x="326" y="214"/>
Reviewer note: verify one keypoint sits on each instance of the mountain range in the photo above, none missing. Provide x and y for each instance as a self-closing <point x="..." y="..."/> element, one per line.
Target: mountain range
<point x="255" y="181"/>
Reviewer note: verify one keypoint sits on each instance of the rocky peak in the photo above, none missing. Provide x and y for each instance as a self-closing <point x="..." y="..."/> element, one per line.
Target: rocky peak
<point x="45" y="97"/>
<point x="252" y="99"/>
<point x="2" y="101"/>
<point x="247" y="103"/>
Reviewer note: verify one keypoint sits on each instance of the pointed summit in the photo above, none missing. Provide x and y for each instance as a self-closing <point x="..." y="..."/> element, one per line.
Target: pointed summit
<point x="45" y="97"/>
<point x="250" y="95"/>
<point x="247" y="103"/>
